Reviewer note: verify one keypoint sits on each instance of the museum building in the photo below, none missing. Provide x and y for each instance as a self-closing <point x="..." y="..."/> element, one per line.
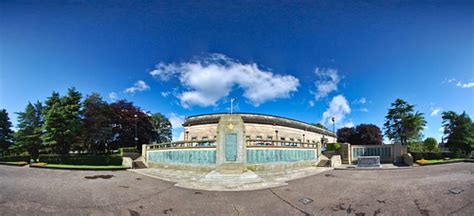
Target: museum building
<point x="239" y="142"/>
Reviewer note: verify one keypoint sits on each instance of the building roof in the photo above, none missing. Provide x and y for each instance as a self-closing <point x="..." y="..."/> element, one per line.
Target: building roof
<point x="213" y="118"/>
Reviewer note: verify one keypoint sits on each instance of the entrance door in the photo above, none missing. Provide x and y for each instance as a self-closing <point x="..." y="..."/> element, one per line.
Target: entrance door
<point x="231" y="147"/>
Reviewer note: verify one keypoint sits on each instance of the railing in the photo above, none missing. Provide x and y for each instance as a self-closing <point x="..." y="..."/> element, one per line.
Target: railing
<point x="183" y="144"/>
<point x="280" y="143"/>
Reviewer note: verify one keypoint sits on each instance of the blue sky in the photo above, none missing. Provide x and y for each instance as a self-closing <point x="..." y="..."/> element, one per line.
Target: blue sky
<point x="305" y="60"/>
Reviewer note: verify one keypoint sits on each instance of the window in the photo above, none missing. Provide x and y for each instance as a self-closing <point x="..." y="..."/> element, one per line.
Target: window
<point x="259" y="137"/>
<point x="247" y="137"/>
<point x="205" y="138"/>
<point x="269" y="137"/>
<point x="193" y="138"/>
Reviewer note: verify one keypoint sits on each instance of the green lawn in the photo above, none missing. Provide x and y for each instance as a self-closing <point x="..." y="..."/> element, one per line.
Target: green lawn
<point x="70" y="166"/>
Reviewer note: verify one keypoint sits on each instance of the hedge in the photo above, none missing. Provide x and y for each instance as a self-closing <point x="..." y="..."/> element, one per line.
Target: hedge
<point x="433" y="155"/>
<point x="81" y="159"/>
<point x="333" y="147"/>
<point x="15" y="158"/>
<point x="128" y="150"/>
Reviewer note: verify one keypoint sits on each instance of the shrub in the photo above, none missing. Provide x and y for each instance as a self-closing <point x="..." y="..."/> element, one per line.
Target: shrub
<point x="128" y="150"/>
<point x="433" y="155"/>
<point x="333" y="147"/>
<point x="15" y="158"/>
<point x="81" y="159"/>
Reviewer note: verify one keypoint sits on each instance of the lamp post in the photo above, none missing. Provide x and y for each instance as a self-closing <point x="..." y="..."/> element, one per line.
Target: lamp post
<point x="333" y="125"/>
<point x="136" y="138"/>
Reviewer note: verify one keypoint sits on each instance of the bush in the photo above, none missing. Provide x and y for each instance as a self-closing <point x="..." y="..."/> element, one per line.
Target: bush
<point x="128" y="150"/>
<point x="81" y="159"/>
<point x="15" y="158"/>
<point x="333" y="147"/>
<point x="433" y="155"/>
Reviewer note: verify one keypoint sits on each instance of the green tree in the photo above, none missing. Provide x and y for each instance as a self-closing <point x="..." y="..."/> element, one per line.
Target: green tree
<point x="430" y="144"/>
<point x="460" y="132"/>
<point x="30" y="130"/>
<point x="97" y="124"/>
<point x="319" y="125"/>
<point x="63" y="123"/>
<point x="162" y="128"/>
<point x="6" y="133"/>
<point x="402" y="124"/>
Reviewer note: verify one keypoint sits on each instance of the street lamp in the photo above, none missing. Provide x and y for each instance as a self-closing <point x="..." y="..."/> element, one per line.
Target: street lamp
<point x="136" y="138"/>
<point x="333" y="125"/>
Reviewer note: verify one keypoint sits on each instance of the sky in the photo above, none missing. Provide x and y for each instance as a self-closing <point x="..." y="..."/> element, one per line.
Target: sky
<point x="307" y="60"/>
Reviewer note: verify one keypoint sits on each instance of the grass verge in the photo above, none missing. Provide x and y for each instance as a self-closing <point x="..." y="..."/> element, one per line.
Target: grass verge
<point x="79" y="167"/>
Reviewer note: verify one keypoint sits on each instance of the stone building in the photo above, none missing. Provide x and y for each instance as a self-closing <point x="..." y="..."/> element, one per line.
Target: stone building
<point x="262" y="127"/>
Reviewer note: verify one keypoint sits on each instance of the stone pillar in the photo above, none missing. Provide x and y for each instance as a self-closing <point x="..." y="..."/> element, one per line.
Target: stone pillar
<point x="346" y="153"/>
<point x="230" y="145"/>
<point x="398" y="151"/>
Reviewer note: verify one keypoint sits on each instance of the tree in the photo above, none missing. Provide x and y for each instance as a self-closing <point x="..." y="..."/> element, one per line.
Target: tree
<point x="319" y="125"/>
<point x="368" y="134"/>
<point x="162" y="128"/>
<point x="459" y="130"/>
<point x="63" y="122"/>
<point x="6" y="133"/>
<point x="30" y="130"/>
<point x="402" y="124"/>
<point x="124" y="121"/>
<point x="97" y="124"/>
<point x="430" y="144"/>
<point x="346" y="135"/>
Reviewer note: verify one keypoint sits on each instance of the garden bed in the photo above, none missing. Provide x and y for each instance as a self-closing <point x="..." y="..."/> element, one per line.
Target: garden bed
<point x="441" y="161"/>
<point x="78" y="167"/>
<point x="17" y="163"/>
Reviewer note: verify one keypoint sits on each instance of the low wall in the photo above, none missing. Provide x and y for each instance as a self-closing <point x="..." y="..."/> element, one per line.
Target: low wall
<point x="257" y="158"/>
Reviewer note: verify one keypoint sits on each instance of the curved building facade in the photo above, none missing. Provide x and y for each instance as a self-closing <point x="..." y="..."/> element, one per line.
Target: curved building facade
<point x="240" y="141"/>
<point x="258" y="127"/>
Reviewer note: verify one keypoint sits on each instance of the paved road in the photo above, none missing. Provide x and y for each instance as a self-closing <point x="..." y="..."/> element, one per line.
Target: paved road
<point x="417" y="191"/>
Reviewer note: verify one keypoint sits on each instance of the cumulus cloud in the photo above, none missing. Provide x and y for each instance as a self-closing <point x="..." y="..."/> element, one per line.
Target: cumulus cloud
<point x="207" y="80"/>
<point x="311" y="103"/>
<point x="338" y="109"/>
<point x="364" y="110"/>
<point x="465" y="85"/>
<point x="139" y="86"/>
<point x="113" y="96"/>
<point x="435" y="111"/>
<point x="328" y="79"/>
<point x="176" y="120"/>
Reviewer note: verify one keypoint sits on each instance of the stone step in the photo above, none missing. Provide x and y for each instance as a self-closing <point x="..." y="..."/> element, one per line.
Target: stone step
<point x="324" y="163"/>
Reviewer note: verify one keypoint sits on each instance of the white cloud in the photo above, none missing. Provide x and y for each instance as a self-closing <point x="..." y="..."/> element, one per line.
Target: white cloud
<point x="465" y="85"/>
<point x="364" y="110"/>
<point x="207" y="80"/>
<point x="338" y="108"/>
<point x="435" y="111"/>
<point x="451" y="80"/>
<point x="165" y="93"/>
<point x="361" y="100"/>
<point x="176" y="120"/>
<point x="311" y="103"/>
<point x="139" y="86"/>
<point x="113" y="96"/>
<point x="328" y="79"/>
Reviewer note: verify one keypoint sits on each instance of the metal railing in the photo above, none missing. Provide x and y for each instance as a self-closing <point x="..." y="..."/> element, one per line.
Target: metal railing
<point x="183" y="144"/>
<point x="280" y="143"/>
